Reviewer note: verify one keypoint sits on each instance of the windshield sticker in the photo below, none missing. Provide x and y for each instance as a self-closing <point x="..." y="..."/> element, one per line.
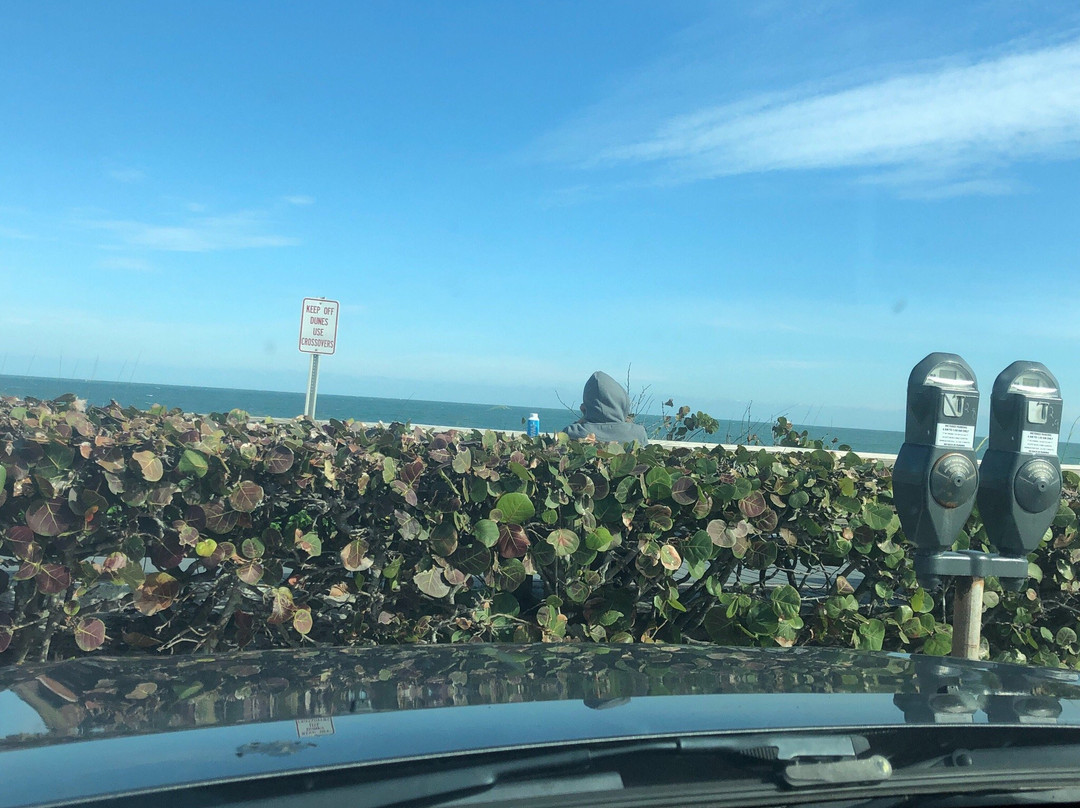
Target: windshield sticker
<point x="955" y="436"/>
<point x="314" y="727"/>
<point x="1039" y="443"/>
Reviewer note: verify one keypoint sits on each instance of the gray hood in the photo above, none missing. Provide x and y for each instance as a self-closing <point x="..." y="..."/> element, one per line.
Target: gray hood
<point x="606" y="407"/>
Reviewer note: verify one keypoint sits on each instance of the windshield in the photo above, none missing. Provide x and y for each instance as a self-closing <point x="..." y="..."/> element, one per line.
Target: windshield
<point x="537" y="323"/>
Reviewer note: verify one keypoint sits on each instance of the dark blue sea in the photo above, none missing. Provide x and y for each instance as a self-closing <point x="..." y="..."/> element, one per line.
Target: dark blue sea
<point x="440" y="413"/>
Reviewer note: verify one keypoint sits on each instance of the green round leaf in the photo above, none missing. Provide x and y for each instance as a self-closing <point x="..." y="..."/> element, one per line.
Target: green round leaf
<point x="564" y="541"/>
<point x="431" y="583"/>
<point x="505" y="603"/>
<point x="515" y="508"/>
<point x="149" y="464"/>
<point x="670" y="558"/>
<point x="870" y="635"/>
<point x="877" y="516"/>
<point x="786" y="601"/>
<point x="486" y="532"/>
<point x="191" y="462"/>
<point x="599" y="540"/>
<point x="921" y="602"/>
<point x="302" y="621"/>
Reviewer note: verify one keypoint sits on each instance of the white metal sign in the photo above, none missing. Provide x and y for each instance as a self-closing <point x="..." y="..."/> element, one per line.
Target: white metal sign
<point x="1038" y="443"/>
<point x="318" y="326"/>
<point x="314" y="727"/>
<point x="955" y="436"/>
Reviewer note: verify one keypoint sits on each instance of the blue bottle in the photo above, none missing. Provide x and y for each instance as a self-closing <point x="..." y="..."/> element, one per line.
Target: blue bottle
<point x="532" y="426"/>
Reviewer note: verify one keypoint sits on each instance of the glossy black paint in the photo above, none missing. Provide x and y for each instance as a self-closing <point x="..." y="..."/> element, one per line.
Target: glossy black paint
<point x="132" y="724"/>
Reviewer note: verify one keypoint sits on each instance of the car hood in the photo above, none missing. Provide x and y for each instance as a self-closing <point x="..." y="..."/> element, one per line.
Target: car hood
<point x="154" y="722"/>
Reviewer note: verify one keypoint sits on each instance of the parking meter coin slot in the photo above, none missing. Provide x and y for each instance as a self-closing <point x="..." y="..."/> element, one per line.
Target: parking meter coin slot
<point x="954" y="480"/>
<point x="1037" y="486"/>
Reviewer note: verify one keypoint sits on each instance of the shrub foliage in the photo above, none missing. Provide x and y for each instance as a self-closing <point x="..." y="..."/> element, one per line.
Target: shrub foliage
<point x="127" y="530"/>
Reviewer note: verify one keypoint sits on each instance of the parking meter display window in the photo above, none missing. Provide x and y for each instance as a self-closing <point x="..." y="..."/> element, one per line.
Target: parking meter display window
<point x="1034" y="383"/>
<point x="950" y="374"/>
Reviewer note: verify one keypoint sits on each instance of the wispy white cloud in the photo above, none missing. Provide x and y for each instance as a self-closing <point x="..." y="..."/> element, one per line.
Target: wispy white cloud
<point x="14" y="233"/>
<point x="951" y="126"/>
<point x="238" y="231"/>
<point x="126" y="263"/>
<point x="299" y="199"/>
<point x="127" y="175"/>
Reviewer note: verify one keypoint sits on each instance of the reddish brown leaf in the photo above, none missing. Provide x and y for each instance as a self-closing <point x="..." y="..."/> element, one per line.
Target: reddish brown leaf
<point x="156" y="593"/>
<point x="250" y="572"/>
<point x="21" y="540"/>
<point x="26" y="571"/>
<point x="752" y="505"/>
<point x="6" y="631"/>
<point x="684" y="491"/>
<point x="114" y="563"/>
<point x="49" y="518"/>
<point x="411" y="472"/>
<point x="56" y="688"/>
<point x="166" y="553"/>
<point x="137" y="640"/>
<point x="279" y="460"/>
<point x="247" y="497"/>
<point x="189" y="536"/>
<point x="353" y="556"/>
<point x="219" y="519"/>
<point x="767" y="522"/>
<point x="52" y="579"/>
<point x="111" y="459"/>
<point x="90" y="634"/>
<point x="513" y="543"/>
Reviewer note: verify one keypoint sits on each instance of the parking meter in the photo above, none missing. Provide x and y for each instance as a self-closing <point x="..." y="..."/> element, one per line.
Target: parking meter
<point x="935" y="478"/>
<point x="1020" y="487"/>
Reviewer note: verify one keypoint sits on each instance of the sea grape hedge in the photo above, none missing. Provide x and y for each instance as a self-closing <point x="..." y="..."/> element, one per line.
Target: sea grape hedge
<point x="157" y="531"/>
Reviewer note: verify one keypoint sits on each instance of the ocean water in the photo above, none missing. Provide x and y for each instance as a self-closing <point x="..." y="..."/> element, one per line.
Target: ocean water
<point x="442" y="413"/>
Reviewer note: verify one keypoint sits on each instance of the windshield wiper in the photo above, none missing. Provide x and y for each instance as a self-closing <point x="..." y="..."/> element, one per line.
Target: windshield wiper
<point x="769" y="760"/>
<point x="886" y="768"/>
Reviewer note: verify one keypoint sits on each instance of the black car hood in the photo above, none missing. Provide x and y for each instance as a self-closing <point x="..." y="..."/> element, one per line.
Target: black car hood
<point x="152" y="722"/>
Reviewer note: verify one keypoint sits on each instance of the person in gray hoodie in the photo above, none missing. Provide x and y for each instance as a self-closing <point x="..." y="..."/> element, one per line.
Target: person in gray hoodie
<point x="605" y="407"/>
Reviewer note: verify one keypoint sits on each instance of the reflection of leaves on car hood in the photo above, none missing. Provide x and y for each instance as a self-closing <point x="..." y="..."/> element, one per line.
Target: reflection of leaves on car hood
<point x="103" y="697"/>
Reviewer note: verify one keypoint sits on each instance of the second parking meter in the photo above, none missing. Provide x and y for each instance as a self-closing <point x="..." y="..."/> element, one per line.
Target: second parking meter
<point x="1020" y="488"/>
<point x="935" y="478"/>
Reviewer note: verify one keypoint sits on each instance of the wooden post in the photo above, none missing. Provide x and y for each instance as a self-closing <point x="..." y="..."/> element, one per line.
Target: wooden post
<point x="967" y="618"/>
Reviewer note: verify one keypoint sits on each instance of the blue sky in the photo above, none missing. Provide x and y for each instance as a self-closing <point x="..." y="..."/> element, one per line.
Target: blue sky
<point x="787" y="204"/>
